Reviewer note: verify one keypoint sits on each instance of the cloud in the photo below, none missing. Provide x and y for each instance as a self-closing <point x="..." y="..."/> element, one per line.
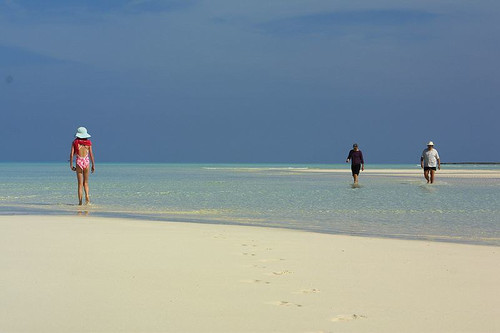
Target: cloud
<point x="15" y="56"/>
<point x="56" y="7"/>
<point x="340" y="20"/>
<point x="158" y="5"/>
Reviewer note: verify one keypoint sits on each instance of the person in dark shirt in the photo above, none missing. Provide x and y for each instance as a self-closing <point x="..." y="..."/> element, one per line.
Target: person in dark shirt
<point x="357" y="162"/>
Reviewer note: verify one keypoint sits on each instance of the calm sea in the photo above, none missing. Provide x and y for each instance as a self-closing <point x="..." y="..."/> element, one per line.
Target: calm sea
<point x="453" y="209"/>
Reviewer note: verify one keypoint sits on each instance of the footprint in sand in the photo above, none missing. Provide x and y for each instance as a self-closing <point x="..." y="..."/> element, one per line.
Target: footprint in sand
<point x="348" y="317"/>
<point x="271" y="260"/>
<point x="255" y="281"/>
<point x="285" y="303"/>
<point x="254" y="266"/>
<point x="249" y="254"/>
<point x="219" y="236"/>
<point x="281" y="273"/>
<point x="307" y="291"/>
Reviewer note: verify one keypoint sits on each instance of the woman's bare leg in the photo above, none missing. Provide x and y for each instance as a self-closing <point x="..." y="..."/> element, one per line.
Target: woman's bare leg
<point x="86" y="184"/>
<point x="79" y="176"/>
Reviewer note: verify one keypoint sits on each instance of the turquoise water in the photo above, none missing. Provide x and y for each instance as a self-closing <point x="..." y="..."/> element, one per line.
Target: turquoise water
<point x="453" y="209"/>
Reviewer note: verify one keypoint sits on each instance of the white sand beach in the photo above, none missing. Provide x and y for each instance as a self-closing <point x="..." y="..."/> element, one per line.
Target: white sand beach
<point x="89" y="274"/>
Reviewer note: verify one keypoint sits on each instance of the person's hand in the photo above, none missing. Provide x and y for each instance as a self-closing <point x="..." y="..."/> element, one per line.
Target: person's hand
<point x="347" y="161"/>
<point x="362" y="168"/>
<point x="439" y="167"/>
<point x="92" y="169"/>
<point x="422" y="165"/>
<point x="73" y="168"/>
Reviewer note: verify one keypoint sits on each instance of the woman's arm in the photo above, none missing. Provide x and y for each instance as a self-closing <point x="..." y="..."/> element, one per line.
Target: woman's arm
<point x="92" y="169"/>
<point x="71" y="155"/>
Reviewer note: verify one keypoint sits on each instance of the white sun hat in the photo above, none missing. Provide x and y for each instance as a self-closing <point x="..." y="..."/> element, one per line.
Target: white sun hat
<point x="430" y="143"/>
<point x="81" y="133"/>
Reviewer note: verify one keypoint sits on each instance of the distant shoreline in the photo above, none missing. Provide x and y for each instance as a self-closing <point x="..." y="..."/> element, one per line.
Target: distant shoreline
<point x="482" y="163"/>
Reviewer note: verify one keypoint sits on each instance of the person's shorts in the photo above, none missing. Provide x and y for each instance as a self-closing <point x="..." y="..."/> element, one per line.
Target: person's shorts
<point x="355" y="169"/>
<point x="429" y="168"/>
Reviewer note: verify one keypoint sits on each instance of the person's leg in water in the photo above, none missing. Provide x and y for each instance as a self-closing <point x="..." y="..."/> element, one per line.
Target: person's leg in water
<point x="86" y="172"/>
<point x="432" y="176"/>
<point x="426" y="175"/>
<point x="355" y="172"/>
<point x="79" y="176"/>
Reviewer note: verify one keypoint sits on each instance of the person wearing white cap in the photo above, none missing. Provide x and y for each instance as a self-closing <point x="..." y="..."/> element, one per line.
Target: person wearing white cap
<point x="82" y="149"/>
<point x="429" y="161"/>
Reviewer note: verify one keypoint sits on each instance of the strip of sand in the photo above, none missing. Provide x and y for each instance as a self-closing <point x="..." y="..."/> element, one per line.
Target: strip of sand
<point x="89" y="274"/>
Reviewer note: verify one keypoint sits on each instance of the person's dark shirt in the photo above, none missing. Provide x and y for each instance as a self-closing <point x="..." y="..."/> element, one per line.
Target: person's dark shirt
<point x="356" y="157"/>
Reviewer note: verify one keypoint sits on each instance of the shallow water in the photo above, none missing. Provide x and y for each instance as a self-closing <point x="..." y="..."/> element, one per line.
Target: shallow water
<point x="452" y="209"/>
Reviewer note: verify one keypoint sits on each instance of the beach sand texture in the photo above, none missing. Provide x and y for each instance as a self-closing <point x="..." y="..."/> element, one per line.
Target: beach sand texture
<point x="88" y="274"/>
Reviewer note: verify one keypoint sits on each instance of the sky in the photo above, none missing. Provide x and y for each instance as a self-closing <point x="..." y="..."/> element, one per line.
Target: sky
<point x="261" y="81"/>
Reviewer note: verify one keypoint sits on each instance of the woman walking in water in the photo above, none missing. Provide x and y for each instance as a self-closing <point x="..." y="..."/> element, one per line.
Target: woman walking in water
<point x="82" y="149"/>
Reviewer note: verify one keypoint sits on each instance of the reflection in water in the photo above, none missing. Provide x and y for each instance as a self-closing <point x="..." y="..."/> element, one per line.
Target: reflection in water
<point x="83" y="212"/>
<point x="428" y="188"/>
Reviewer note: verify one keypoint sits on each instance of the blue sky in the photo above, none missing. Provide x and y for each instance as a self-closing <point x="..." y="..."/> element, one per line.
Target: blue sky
<point x="250" y="81"/>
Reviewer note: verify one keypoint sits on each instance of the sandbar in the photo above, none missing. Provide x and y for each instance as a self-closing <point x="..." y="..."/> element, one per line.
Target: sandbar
<point x="92" y="274"/>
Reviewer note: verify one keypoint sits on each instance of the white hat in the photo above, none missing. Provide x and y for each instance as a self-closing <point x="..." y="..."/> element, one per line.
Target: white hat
<point x="81" y="133"/>
<point x="430" y="143"/>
